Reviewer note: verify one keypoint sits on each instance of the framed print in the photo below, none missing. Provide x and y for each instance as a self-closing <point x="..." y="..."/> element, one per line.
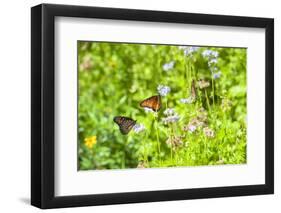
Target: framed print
<point x="139" y="106"/>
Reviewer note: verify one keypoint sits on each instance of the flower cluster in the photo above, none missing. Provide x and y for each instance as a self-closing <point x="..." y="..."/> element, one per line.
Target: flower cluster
<point x="169" y="112"/>
<point x="171" y="119"/>
<point x="187" y="50"/>
<point x="210" y="54"/>
<point x="212" y="57"/>
<point x="199" y="121"/>
<point x="193" y="125"/>
<point x="138" y="128"/>
<point x="174" y="141"/>
<point x="171" y="116"/>
<point x="163" y="90"/>
<point x="190" y="128"/>
<point x="168" y="66"/>
<point x="209" y="132"/>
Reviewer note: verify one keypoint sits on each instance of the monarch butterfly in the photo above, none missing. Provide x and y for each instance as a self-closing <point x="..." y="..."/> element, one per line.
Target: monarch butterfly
<point x="193" y="90"/>
<point x="153" y="103"/>
<point x="125" y="124"/>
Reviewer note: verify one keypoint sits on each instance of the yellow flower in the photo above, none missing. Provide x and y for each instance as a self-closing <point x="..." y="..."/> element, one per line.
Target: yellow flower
<point x="90" y="141"/>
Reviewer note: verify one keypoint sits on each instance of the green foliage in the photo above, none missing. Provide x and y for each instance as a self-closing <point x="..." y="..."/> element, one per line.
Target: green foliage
<point x="114" y="78"/>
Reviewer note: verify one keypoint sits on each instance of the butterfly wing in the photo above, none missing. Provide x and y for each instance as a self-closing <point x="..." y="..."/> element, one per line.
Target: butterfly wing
<point x="125" y="124"/>
<point x="153" y="103"/>
<point x="193" y="90"/>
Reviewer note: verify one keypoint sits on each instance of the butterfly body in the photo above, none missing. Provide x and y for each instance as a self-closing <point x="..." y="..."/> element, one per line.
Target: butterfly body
<point x="125" y="124"/>
<point x="154" y="103"/>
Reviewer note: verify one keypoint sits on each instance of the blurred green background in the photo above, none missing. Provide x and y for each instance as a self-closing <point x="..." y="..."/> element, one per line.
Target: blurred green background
<point x="115" y="77"/>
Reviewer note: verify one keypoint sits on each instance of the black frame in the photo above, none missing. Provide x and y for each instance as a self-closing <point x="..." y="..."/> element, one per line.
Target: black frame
<point x="43" y="117"/>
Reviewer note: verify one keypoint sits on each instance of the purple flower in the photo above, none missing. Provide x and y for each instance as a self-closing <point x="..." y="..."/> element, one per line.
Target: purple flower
<point x="171" y="119"/>
<point x="217" y="75"/>
<point x="191" y="128"/>
<point x="163" y="90"/>
<point x="210" y="54"/>
<point x="190" y="50"/>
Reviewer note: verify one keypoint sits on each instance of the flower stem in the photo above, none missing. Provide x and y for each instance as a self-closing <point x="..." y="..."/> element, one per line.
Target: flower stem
<point x="208" y="103"/>
<point x="174" y="135"/>
<point x="170" y="135"/>
<point x="144" y="148"/>
<point x="124" y="156"/>
<point x="171" y="145"/>
<point x="171" y="153"/>
<point x="190" y="73"/>
<point x="157" y="137"/>
<point x="213" y="88"/>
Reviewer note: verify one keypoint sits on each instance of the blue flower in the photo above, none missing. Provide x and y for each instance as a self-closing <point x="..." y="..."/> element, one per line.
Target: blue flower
<point x="212" y="61"/>
<point x="190" y="50"/>
<point x="210" y="54"/>
<point x="168" y="66"/>
<point x="171" y="119"/>
<point x="217" y="75"/>
<point x="163" y="90"/>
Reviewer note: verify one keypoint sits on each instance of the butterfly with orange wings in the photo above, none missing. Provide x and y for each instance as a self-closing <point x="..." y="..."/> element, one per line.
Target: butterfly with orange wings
<point x="125" y="124"/>
<point x="153" y="103"/>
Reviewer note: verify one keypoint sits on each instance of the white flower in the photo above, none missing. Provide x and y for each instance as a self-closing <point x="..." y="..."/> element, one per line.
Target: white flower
<point x="217" y="75"/>
<point x="171" y="119"/>
<point x="169" y="111"/>
<point x="138" y="128"/>
<point x="186" y="100"/>
<point x="168" y="66"/>
<point x="163" y="90"/>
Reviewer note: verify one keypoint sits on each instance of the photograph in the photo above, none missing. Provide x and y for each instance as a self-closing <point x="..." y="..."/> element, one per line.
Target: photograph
<point x="160" y="105"/>
<point x="134" y="105"/>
